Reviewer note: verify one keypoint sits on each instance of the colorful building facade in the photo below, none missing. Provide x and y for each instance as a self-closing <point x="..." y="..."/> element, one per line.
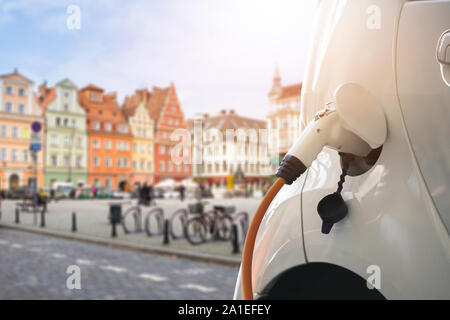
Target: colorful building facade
<point x="109" y="139"/>
<point x="165" y="110"/>
<point x="19" y="108"/>
<point x="141" y="124"/>
<point x="66" y="137"/>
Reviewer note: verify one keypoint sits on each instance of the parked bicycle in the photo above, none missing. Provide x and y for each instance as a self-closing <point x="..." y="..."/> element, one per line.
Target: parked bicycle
<point x="153" y="222"/>
<point x="215" y="224"/>
<point x="178" y="223"/>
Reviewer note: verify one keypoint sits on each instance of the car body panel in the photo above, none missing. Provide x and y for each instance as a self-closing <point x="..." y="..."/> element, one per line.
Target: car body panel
<point x="392" y="222"/>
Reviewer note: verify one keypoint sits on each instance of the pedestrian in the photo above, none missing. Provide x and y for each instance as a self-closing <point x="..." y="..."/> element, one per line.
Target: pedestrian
<point x="139" y="194"/>
<point x="182" y="189"/>
<point x="93" y="191"/>
<point x="150" y="194"/>
<point x="52" y="193"/>
<point x="145" y="196"/>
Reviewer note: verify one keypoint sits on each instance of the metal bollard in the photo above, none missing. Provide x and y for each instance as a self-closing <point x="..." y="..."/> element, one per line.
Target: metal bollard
<point x="166" y="239"/>
<point x="17" y="216"/>
<point x="74" y="222"/>
<point x="235" y="239"/>
<point x="43" y="217"/>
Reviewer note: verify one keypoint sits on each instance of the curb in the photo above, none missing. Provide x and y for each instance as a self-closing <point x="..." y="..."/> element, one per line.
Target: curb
<point x="174" y="253"/>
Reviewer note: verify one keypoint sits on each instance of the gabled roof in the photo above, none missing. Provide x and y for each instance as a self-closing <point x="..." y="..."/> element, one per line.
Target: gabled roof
<point x="154" y="101"/>
<point x="291" y="91"/>
<point x="17" y="75"/>
<point x="157" y="101"/>
<point x="104" y="110"/>
<point x="230" y="120"/>
<point x="66" y="83"/>
<point x="92" y="87"/>
<point x="47" y="97"/>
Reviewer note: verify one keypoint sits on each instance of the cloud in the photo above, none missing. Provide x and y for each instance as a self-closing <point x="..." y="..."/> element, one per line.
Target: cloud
<point x="220" y="54"/>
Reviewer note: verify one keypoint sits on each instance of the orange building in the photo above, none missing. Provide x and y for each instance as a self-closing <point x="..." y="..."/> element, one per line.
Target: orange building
<point x="110" y="139"/>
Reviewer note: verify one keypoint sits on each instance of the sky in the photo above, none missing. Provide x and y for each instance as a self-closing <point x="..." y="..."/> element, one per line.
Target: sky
<point x="220" y="54"/>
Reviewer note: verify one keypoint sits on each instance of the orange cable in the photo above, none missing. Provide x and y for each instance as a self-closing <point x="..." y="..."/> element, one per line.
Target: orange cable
<point x="247" y="254"/>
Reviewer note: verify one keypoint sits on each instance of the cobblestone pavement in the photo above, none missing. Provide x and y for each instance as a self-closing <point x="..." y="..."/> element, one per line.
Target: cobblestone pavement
<point x="34" y="267"/>
<point x="92" y="220"/>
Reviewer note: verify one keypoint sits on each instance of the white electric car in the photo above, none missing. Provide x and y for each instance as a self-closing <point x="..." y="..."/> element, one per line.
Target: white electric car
<point x="394" y="242"/>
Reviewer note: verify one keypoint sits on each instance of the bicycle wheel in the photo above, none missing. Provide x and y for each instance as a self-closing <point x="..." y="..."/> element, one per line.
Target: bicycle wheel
<point x="195" y="231"/>
<point x="132" y="220"/>
<point x="178" y="223"/>
<point x="223" y="228"/>
<point x="242" y="219"/>
<point x="154" y="223"/>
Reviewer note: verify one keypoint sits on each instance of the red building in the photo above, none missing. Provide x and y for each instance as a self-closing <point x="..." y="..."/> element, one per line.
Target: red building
<point x="165" y="111"/>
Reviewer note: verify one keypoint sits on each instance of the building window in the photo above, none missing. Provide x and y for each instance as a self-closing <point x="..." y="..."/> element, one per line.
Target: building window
<point x="14" y="155"/>
<point x="67" y="141"/>
<point x="96" y="144"/>
<point x="96" y="97"/>
<point x="66" y="161"/>
<point x="58" y="122"/>
<point x="142" y="148"/>
<point x="3" y="154"/>
<point x="96" y="125"/>
<point x="8" y="107"/>
<point x="108" y="162"/>
<point x="96" y="162"/>
<point x="108" y="126"/>
<point x="169" y="166"/>
<point x="178" y="168"/>
<point x="125" y="163"/>
<point x="66" y="122"/>
<point x="21" y="108"/>
<point x="135" y="147"/>
<point x="149" y="148"/>
<point x="126" y="146"/>
<point x="134" y="164"/>
<point x="162" y="149"/>
<point x="15" y="132"/>
<point x="123" y="128"/>
<point x="25" y="155"/>
<point x="79" y="142"/>
<point x="108" y="145"/>
<point x="66" y="107"/>
<point x="74" y="123"/>
<point x="161" y="166"/>
<point x="79" y="161"/>
<point x="119" y="163"/>
<point x="149" y="165"/>
<point x="142" y="166"/>
<point x="4" y="131"/>
<point x="22" y="92"/>
<point x="54" y="160"/>
<point x="9" y="90"/>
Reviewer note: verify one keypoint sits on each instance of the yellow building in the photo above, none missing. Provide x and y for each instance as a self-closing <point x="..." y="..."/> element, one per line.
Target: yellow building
<point x="143" y="146"/>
